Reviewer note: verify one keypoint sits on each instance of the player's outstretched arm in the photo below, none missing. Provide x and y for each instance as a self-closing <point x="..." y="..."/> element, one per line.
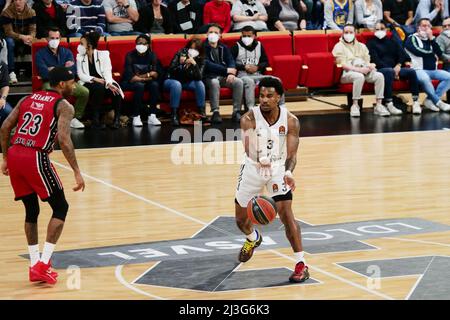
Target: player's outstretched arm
<point x="65" y="115"/>
<point x="292" y="142"/>
<point x="247" y="125"/>
<point x="5" y="133"/>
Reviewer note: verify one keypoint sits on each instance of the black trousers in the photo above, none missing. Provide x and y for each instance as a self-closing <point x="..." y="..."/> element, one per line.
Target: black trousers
<point x="97" y="94"/>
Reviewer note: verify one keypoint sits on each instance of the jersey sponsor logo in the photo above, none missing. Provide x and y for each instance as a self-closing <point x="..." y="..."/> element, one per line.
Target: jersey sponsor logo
<point x="37" y="106"/>
<point x="275" y="187"/>
<point x="282" y="131"/>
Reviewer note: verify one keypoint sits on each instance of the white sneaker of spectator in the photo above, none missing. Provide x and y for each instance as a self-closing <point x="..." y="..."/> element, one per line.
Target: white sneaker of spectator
<point x="392" y="109"/>
<point x="354" y="111"/>
<point x="153" y="120"/>
<point x="76" y="124"/>
<point x="137" y="122"/>
<point x="428" y="104"/>
<point x="443" y="106"/>
<point x="13" y="78"/>
<point x="381" y="110"/>
<point x="416" y="109"/>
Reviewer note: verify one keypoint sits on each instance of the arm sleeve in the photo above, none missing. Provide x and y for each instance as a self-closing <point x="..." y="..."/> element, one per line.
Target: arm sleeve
<point x="263" y="61"/>
<point x="101" y="21"/>
<point x="83" y="76"/>
<point x="412" y="45"/>
<point x="41" y="65"/>
<point x="228" y="20"/>
<point x="423" y="10"/>
<point x="374" y="56"/>
<point x="441" y="42"/>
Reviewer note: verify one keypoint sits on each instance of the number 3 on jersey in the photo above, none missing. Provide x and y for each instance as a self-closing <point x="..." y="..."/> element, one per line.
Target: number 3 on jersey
<point x="31" y="124"/>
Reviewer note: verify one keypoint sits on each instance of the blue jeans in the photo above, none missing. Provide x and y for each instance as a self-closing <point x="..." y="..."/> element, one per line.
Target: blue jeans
<point x="404" y="74"/>
<point x="175" y="89"/>
<point x="425" y="77"/>
<point x="138" y="97"/>
<point x="4" y="112"/>
<point x="11" y="44"/>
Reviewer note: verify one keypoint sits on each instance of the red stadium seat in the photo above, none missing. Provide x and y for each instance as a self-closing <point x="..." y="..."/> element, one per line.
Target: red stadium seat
<point x="166" y="48"/>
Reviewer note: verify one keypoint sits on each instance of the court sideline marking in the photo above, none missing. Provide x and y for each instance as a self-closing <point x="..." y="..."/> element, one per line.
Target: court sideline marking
<point x="178" y="213"/>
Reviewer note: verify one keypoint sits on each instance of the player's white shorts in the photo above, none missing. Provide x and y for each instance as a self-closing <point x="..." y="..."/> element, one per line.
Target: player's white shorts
<point x="250" y="183"/>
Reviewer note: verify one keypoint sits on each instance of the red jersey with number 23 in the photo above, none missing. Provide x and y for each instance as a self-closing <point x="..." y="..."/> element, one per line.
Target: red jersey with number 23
<point x="37" y="125"/>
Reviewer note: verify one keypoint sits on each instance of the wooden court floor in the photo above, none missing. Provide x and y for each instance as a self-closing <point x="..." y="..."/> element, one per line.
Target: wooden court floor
<point x="136" y="195"/>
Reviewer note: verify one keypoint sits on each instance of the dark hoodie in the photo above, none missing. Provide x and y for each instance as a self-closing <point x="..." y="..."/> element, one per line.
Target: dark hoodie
<point x="254" y="54"/>
<point x="386" y="53"/>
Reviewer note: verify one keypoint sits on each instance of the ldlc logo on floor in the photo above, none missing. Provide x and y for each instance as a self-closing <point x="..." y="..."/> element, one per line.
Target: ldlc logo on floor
<point x="206" y="261"/>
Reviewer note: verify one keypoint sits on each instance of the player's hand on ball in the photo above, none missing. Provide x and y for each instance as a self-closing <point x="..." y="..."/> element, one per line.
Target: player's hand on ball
<point x="5" y="170"/>
<point x="289" y="180"/>
<point x="79" y="181"/>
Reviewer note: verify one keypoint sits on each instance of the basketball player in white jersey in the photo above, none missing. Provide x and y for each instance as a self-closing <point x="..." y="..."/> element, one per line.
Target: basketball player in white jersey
<point x="271" y="139"/>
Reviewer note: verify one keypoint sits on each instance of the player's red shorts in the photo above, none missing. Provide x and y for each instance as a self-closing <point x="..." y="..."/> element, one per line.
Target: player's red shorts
<point x="30" y="172"/>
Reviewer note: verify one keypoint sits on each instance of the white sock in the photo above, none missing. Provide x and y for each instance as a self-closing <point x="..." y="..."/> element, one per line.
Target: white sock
<point x="299" y="256"/>
<point x="253" y="236"/>
<point x="34" y="254"/>
<point x="47" y="252"/>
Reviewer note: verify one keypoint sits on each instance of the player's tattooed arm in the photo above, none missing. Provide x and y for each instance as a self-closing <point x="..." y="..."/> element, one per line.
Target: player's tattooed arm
<point x="292" y="142"/>
<point x="8" y="125"/>
<point x="65" y="115"/>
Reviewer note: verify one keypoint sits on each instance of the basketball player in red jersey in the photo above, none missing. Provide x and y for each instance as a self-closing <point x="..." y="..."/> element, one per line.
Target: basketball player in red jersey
<point x="41" y="118"/>
<point x="271" y="139"/>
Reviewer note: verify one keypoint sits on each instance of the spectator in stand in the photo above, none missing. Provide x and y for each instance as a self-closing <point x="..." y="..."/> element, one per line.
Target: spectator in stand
<point x="249" y="13"/>
<point x="217" y="12"/>
<point x="5" y="107"/>
<point x="95" y="73"/>
<point x="399" y="13"/>
<point x="154" y="18"/>
<point x="423" y="49"/>
<point x="368" y="13"/>
<point x="444" y="43"/>
<point x="55" y="55"/>
<point x="185" y="73"/>
<point x="355" y="60"/>
<point x="390" y="58"/>
<point x="287" y="15"/>
<point x="434" y="10"/>
<point x="186" y="16"/>
<point x="251" y="63"/>
<point x="220" y="71"/>
<point x="84" y="16"/>
<point x="142" y="72"/>
<point x="317" y="14"/>
<point x="338" y="13"/>
<point x="121" y="15"/>
<point x="49" y="15"/>
<point x="19" y="24"/>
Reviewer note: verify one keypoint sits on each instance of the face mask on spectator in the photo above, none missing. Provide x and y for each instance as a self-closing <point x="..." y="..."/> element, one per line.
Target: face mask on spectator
<point x="247" y="41"/>
<point x="349" y="37"/>
<point x="81" y="49"/>
<point x="54" y="43"/>
<point x="423" y="34"/>
<point x="447" y="33"/>
<point x="380" y="34"/>
<point x="141" y="48"/>
<point x="193" y="53"/>
<point x="213" y="37"/>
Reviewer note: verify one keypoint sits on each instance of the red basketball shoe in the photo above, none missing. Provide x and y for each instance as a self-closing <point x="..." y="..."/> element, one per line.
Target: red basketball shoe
<point x="42" y="272"/>
<point x="300" y="273"/>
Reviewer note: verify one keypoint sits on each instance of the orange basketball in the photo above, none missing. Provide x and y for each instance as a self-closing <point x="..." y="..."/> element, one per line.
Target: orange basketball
<point x="261" y="210"/>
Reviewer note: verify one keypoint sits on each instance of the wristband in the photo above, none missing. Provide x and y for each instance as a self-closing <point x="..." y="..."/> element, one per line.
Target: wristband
<point x="288" y="173"/>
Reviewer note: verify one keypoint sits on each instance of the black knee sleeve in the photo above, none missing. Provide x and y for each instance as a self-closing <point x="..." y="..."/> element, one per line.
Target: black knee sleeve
<point x="59" y="205"/>
<point x="31" y="204"/>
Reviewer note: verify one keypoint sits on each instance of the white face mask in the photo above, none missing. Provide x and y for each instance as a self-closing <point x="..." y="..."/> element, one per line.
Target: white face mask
<point x="141" y="48"/>
<point x="213" y="37"/>
<point x="193" y="53"/>
<point x="54" y="43"/>
<point x="380" y="34"/>
<point x="447" y="33"/>
<point x="349" y="37"/>
<point x="81" y="49"/>
<point x="247" y="41"/>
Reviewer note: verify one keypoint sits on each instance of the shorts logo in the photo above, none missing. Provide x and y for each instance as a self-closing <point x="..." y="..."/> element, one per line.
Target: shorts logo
<point x="282" y="131"/>
<point x="275" y="187"/>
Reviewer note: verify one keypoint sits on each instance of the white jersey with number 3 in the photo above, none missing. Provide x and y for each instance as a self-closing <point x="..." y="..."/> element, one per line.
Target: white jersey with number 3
<point x="271" y="139"/>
